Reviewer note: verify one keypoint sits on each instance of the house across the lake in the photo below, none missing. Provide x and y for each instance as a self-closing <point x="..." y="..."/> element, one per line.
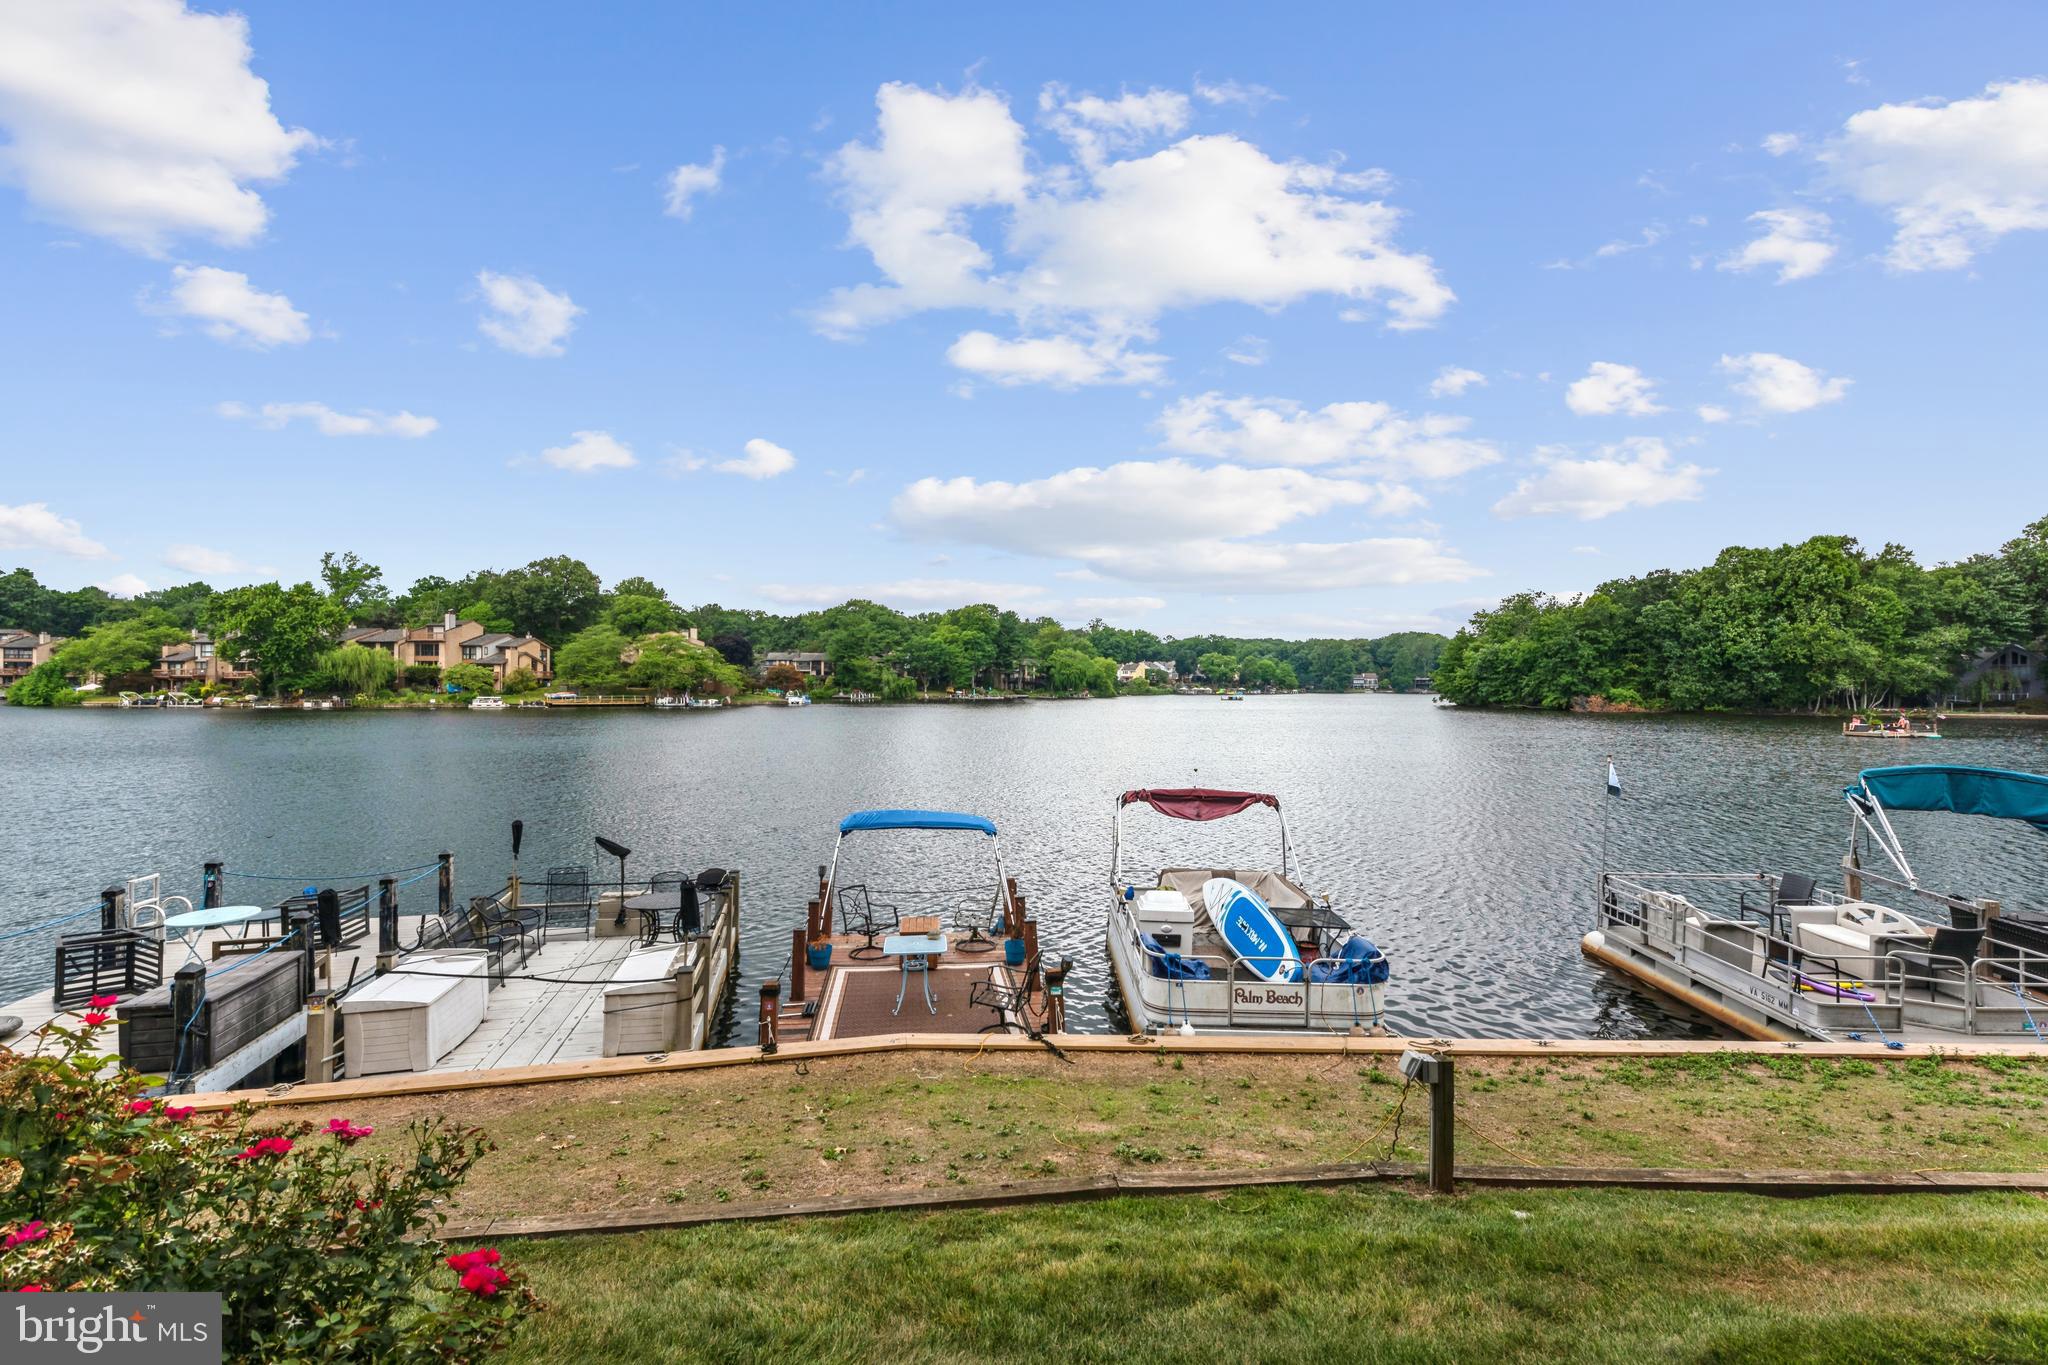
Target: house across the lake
<point x="2010" y="673"/>
<point x="808" y="662"/>
<point x="198" y="661"/>
<point x="21" y="651"/>
<point x="456" y="641"/>
<point x="1365" y="682"/>
<point x="1138" y="668"/>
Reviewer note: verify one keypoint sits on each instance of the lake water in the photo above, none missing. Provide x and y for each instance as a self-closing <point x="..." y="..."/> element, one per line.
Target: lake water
<point x="1463" y="842"/>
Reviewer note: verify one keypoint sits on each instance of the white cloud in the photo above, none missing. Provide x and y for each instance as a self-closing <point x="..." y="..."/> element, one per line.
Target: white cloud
<point x="33" y="526"/>
<point x="1585" y="549"/>
<point x="525" y="315"/>
<point x="1797" y="241"/>
<point x="1651" y="235"/>
<point x="1778" y="384"/>
<point x="913" y="592"/>
<point x="1117" y="606"/>
<point x="123" y="585"/>
<point x="1780" y="144"/>
<point x="763" y="460"/>
<point x="1195" y="522"/>
<point x="1453" y="380"/>
<point x="229" y="309"/>
<point x="1609" y="388"/>
<point x="687" y="182"/>
<point x="1251" y="96"/>
<point x="1955" y="176"/>
<point x="1095" y="249"/>
<point x="274" y="416"/>
<point x="1248" y="350"/>
<point x="198" y="559"/>
<point x="1713" y="412"/>
<point x="1094" y="126"/>
<point x="139" y="120"/>
<point x="590" y="451"/>
<point x="1064" y="362"/>
<point x="1636" y="472"/>
<point x="1362" y="436"/>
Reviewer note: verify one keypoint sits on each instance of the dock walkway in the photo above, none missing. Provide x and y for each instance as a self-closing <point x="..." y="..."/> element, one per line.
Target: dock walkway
<point x="550" y="1010"/>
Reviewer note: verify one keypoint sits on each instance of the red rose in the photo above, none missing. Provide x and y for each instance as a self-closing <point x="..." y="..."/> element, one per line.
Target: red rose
<point x="32" y="1289"/>
<point x="94" y="1018"/>
<point x="484" y="1280"/>
<point x="178" y="1113"/>
<point x="100" y="1002"/>
<point x="141" y="1106"/>
<point x="270" y="1146"/>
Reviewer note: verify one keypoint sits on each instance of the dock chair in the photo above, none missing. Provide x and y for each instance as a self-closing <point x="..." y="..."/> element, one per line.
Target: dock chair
<point x="1937" y="966"/>
<point x="1795" y="888"/>
<point x="1005" y="997"/>
<point x="860" y="913"/>
<point x="980" y="923"/>
<point x="568" y="898"/>
<point x="668" y="885"/>
<point x="464" y="931"/>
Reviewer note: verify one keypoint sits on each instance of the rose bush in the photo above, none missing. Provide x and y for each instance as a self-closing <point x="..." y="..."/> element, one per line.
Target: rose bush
<point x="318" y="1253"/>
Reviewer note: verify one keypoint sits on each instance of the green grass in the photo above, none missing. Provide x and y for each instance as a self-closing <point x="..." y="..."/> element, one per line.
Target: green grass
<point x="920" y="1121"/>
<point x="1365" y="1274"/>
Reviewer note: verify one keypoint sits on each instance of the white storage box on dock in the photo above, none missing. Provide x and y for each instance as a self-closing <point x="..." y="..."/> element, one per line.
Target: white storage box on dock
<point x="641" y="1003"/>
<point x="409" y="1019"/>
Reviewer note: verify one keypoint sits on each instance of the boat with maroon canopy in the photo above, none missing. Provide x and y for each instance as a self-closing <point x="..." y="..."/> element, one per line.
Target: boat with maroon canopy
<point x="1177" y="966"/>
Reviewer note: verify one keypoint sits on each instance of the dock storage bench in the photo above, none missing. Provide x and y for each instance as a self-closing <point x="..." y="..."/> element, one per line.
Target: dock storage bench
<point x="244" y="1000"/>
<point x="641" y="1004"/>
<point x="410" y="1019"/>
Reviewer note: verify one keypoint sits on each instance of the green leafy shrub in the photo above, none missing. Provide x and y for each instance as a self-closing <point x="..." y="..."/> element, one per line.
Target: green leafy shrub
<point x="319" y="1254"/>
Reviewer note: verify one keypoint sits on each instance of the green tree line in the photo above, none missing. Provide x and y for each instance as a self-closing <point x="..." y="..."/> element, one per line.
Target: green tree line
<point x="1821" y="624"/>
<point x="290" y="635"/>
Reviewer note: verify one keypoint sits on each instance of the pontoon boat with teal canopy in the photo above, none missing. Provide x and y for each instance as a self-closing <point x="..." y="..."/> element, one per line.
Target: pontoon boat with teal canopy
<point x="1883" y="959"/>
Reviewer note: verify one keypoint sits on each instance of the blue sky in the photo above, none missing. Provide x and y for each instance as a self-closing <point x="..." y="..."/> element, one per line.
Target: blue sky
<point x="1337" y="321"/>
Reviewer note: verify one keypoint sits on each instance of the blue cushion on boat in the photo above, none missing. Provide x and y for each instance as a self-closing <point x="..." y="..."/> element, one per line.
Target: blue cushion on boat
<point x="1164" y="962"/>
<point x="1369" y="965"/>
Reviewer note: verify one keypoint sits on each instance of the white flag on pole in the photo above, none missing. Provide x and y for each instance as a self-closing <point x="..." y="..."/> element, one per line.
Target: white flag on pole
<point x="1613" y="779"/>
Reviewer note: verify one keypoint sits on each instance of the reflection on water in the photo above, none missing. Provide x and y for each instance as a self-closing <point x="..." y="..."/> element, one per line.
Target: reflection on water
<point x="1463" y="842"/>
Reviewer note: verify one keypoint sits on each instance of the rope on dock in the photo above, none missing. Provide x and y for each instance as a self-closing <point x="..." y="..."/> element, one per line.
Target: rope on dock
<point x="47" y="924"/>
<point x="330" y="881"/>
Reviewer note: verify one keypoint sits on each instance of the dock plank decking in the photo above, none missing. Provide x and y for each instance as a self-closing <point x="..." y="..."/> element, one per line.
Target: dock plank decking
<point x="560" y="1019"/>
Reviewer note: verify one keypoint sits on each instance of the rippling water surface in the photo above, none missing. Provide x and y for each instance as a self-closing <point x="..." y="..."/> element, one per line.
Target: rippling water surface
<point x="1463" y="842"/>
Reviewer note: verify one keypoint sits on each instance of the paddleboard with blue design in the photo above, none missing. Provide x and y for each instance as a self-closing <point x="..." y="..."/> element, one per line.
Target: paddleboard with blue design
<point x="1251" y="929"/>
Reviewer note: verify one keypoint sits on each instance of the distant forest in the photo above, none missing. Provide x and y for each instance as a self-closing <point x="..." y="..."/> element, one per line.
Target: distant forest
<point x="290" y="631"/>
<point x="1817" y="625"/>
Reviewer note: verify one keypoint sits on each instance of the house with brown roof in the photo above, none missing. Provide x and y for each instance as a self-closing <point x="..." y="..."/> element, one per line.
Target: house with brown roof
<point x="456" y="641"/>
<point x="21" y="651"/>
<point x="198" y="661"/>
<point x="808" y="662"/>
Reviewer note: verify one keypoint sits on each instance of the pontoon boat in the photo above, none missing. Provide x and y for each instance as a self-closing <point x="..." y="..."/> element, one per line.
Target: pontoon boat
<point x="1230" y="950"/>
<point x="1775" y="956"/>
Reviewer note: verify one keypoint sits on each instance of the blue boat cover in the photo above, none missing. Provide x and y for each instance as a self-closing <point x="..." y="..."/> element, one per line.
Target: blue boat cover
<point x="916" y="819"/>
<point x="1994" y="792"/>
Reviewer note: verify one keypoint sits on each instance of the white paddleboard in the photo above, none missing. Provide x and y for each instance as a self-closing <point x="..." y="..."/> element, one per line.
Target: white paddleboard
<point x="1251" y="929"/>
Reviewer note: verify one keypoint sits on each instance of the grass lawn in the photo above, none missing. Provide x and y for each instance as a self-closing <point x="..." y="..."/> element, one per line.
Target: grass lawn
<point x="1348" y="1275"/>
<point x="922" y="1120"/>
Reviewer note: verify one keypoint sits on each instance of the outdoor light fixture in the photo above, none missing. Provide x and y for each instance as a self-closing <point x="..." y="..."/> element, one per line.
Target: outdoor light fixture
<point x="621" y="852"/>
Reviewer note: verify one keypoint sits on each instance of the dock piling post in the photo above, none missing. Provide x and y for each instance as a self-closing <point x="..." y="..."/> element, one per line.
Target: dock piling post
<point x="387" y="924"/>
<point x="1030" y="943"/>
<point x="797" y="948"/>
<point x="188" y="989"/>
<point x="814" y="920"/>
<point x="444" y="885"/>
<point x="209" y="886"/>
<point x="1442" y="1115"/>
<point x="110" y="908"/>
<point x="824" y="903"/>
<point x="770" y="992"/>
<point x="1055" y="995"/>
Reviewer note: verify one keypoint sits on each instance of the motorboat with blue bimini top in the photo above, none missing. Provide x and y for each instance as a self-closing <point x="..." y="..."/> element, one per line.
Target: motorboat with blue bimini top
<point x="1234" y="950"/>
<point x="910" y="939"/>
<point x="1774" y="955"/>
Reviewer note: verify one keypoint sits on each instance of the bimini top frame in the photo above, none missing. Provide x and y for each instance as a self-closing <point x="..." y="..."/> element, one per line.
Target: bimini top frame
<point x="871" y="821"/>
<point x="1996" y="792"/>
<point x="1192" y="803"/>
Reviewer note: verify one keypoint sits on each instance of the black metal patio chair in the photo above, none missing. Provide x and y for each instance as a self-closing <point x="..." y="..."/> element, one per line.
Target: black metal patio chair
<point x="860" y="913"/>
<point x="1005" y="997"/>
<point x="567" y="895"/>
